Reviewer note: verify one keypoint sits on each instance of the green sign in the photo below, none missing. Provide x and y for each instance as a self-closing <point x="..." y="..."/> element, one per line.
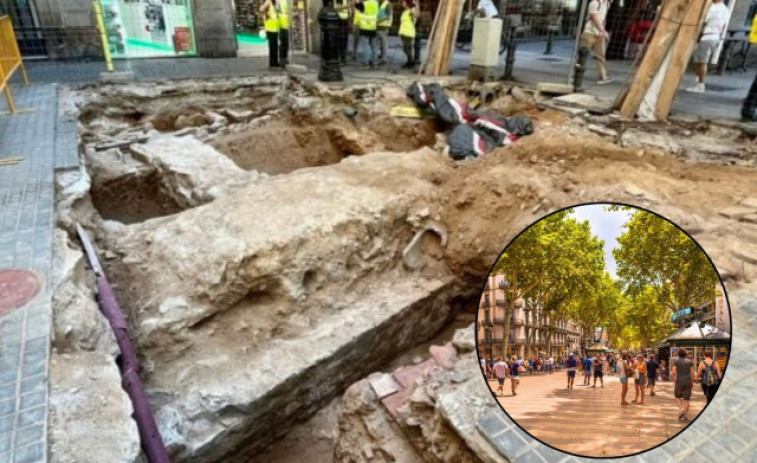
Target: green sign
<point x="681" y="313"/>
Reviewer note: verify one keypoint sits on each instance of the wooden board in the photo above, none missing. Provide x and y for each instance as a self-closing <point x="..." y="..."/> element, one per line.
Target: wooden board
<point x="663" y="38"/>
<point x="682" y="50"/>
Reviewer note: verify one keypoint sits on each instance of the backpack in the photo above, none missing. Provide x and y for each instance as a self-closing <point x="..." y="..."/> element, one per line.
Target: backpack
<point x="710" y="375"/>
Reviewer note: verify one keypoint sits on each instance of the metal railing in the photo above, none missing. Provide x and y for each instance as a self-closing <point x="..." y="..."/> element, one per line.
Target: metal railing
<point x="492" y="340"/>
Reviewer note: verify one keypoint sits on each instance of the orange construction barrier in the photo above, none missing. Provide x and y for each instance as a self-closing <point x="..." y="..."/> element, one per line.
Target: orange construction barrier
<point x="10" y="60"/>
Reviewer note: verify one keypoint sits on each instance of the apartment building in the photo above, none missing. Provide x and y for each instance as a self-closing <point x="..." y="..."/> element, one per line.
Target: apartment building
<point x="528" y="327"/>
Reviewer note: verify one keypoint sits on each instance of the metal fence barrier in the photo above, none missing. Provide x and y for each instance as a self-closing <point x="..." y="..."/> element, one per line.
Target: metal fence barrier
<point x="10" y="60"/>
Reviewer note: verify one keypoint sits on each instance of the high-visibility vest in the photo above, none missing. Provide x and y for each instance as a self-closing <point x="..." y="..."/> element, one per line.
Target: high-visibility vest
<point x="407" y="24"/>
<point x="282" y="9"/>
<point x="387" y="22"/>
<point x="753" y="34"/>
<point x="369" y="18"/>
<point x="356" y="19"/>
<point x="271" y="20"/>
<point x="344" y="14"/>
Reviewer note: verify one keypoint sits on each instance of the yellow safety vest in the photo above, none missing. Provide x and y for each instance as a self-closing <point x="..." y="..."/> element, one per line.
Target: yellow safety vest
<point x="753" y="34"/>
<point x="388" y="21"/>
<point x="282" y="9"/>
<point x="407" y="24"/>
<point x="271" y="20"/>
<point x="369" y="18"/>
<point x="344" y="14"/>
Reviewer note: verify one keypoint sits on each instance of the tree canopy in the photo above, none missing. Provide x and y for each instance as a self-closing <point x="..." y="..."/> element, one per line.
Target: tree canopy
<point x="558" y="265"/>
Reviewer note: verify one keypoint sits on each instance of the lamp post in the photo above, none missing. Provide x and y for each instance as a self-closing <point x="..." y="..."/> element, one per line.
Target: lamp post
<point x="328" y="21"/>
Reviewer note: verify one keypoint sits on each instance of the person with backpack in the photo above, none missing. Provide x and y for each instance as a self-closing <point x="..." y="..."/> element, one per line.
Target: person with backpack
<point x="709" y="374"/>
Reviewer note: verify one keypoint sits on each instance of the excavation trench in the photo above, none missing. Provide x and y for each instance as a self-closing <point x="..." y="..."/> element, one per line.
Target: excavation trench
<point x="271" y="251"/>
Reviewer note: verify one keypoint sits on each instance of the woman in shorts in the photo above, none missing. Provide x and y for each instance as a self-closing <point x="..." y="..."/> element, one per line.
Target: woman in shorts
<point x="640" y="379"/>
<point x="624" y="369"/>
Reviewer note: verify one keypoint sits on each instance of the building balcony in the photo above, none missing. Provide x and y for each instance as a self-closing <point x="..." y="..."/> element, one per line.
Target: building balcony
<point x="499" y="320"/>
<point x="491" y="341"/>
<point x="501" y="303"/>
<point x="502" y="285"/>
<point x="520" y="341"/>
<point x="486" y="304"/>
<point x="517" y="321"/>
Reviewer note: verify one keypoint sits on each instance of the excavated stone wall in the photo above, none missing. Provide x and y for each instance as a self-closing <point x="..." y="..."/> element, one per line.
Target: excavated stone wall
<point x="257" y="292"/>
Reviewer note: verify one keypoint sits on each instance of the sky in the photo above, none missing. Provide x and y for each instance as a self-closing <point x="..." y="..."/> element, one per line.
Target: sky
<point x="607" y="225"/>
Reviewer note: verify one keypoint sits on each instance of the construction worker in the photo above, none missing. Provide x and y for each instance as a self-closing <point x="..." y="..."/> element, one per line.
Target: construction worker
<point x="368" y="25"/>
<point x="385" y="17"/>
<point x="356" y="14"/>
<point x="343" y="10"/>
<point x="749" y="108"/>
<point x="407" y="32"/>
<point x="283" y="10"/>
<point x="271" y="24"/>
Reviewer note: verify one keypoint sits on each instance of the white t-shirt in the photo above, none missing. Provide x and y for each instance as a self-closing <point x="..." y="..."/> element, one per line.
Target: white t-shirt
<point x="489" y="9"/>
<point x="600" y="7"/>
<point x="715" y="22"/>
<point x="499" y="369"/>
<point x="483" y="364"/>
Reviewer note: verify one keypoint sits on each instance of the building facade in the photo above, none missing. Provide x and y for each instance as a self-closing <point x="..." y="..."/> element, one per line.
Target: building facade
<point x="531" y="333"/>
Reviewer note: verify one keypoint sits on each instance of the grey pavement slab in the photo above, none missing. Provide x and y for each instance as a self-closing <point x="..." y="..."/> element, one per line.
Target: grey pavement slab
<point x="26" y="220"/>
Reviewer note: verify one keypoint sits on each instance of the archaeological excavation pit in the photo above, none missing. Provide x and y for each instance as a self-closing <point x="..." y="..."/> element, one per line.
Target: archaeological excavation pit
<point x="273" y="254"/>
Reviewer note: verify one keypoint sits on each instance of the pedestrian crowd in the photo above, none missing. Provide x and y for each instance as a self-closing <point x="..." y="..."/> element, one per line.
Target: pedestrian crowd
<point x="644" y="371"/>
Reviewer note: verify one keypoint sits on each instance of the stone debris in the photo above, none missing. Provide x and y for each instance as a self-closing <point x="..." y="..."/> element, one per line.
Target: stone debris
<point x="736" y="212"/>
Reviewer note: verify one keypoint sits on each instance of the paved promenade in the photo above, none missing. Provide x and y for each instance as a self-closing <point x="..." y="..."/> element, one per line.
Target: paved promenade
<point x="43" y="142"/>
<point x="590" y="420"/>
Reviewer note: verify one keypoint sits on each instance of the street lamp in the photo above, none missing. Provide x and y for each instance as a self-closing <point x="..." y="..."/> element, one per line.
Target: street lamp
<point x="328" y="21"/>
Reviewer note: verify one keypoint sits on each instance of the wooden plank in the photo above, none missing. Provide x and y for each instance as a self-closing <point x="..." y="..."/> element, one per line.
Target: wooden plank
<point x="434" y="37"/>
<point x="438" y="45"/>
<point x="660" y="44"/>
<point x="458" y="13"/>
<point x="425" y="66"/>
<point x="682" y="50"/>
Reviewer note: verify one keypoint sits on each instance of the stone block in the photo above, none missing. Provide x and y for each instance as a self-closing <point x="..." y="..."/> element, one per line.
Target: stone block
<point x="383" y="385"/>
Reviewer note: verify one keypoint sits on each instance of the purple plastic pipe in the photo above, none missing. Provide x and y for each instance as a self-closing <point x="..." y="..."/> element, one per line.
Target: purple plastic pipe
<point x="152" y="442"/>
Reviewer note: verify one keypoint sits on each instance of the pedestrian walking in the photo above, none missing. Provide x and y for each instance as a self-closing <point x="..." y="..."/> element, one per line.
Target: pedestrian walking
<point x="652" y="372"/>
<point x="663" y="370"/>
<point x="639" y="379"/>
<point x="500" y="371"/>
<point x="539" y="365"/>
<point x="595" y="37"/>
<point x="624" y="369"/>
<point x="587" y="370"/>
<point x="283" y="10"/>
<point x="597" y="364"/>
<point x="571" y="364"/>
<point x="715" y="24"/>
<point x="515" y="369"/>
<point x="709" y="376"/>
<point x="683" y="375"/>
<point x="551" y="364"/>
<point x="483" y="365"/>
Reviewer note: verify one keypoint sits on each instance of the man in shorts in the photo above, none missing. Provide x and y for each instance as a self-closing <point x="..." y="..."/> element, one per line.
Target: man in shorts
<point x="500" y="371"/>
<point x="515" y="368"/>
<point x="683" y="376"/>
<point x="652" y="368"/>
<point x="715" y="24"/>
<point x="587" y="370"/>
<point x="571" y="364"/>
<point x="597" y="364"/>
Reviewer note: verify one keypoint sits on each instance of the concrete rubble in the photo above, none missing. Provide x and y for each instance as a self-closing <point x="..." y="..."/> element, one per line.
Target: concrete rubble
<point x="259" y="287"/>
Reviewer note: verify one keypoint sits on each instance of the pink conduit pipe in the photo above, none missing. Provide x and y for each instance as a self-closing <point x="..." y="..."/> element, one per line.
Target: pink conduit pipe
<point x="152" y="442"/>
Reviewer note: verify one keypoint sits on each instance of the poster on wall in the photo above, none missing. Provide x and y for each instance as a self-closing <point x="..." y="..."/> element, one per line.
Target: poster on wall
<point x="149" y="28"/>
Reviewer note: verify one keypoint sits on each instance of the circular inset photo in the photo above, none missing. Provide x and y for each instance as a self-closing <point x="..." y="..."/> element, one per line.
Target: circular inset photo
<point x="603" y="330"/>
